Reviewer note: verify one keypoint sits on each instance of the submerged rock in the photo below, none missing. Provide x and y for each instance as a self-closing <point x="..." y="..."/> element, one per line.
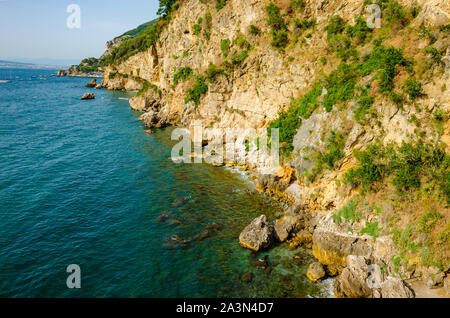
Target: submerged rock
<point x="214" y="226"/>
<point x="163" y="217"/>
<point x="257" y="235"/>
<point x="201" y="236"/>
<point x="315" y="272"/>
<point x="88" y="96"/>
<point x="247" y="277"/>
<point x="261" y="262"/>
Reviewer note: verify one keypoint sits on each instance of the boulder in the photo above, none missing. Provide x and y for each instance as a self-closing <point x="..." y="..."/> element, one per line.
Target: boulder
<point x="98" y="86"/>
<point x="315" y="272"/>
<point x="92" y="83"/>
<point x="258" y="235"/>
<point x="150" y="119"/>
<point x="284" y="227"/>
<point x="353" y="280"/>
<point x="88" y="96"/>
<point x="395" y="288"/>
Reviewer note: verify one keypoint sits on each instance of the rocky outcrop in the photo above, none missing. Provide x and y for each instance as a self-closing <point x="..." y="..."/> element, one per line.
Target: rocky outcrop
<point x="146" y="102"/>
<point x="92" y="83"/>
<point x="360" y="280"/>
<point x="332" y="245"/>
<point x="258" y="235"/>
<point x="88" y="96"/>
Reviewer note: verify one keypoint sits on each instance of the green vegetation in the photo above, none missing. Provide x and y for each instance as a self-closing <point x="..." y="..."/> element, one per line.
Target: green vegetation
<point x="340" y="85"/>
<point x="408" y="164"/>
<point x="88" y="65"/>
<point x="197" y="89"/>
<point x="213" y="71"/>
<point x="428" y="220"/>
<point x="253" y="29"/>
<point x="348" y="212"/>
<point x="135" y="32"/>
<point x="198" y="26"/>
<point x="413" y="88"/>
<point x="372" y="229"/>
<point x="183" y="74"/>
<point x="329" y="158"/>
<point x="297" y="5"/>
<point x="146" y="86"/>
<point x="287" y="123"/>
<point x="239" y="58"/>
<point x="225" y="47"/>
<point x="370" y="168"/>
<point x="220" y="4"/>
<point x="394" y="12"/>
<point x="278" y="27"/>
<point x="365" y="103"/>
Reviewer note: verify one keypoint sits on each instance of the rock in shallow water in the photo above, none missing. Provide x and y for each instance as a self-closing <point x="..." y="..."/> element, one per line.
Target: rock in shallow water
<point x="88" y="96"/>
<point x="315" y="272"/>
<point x="257" y="235"/>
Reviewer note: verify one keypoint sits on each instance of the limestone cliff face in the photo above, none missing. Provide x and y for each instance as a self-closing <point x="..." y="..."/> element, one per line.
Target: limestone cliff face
<point x="251" y="94"/>
<point x="254" y="93"/>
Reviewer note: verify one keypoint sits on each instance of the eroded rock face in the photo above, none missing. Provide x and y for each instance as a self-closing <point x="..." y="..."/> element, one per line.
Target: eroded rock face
<point x="315" y="272"/>
<point x="332" y="246"/>
<point x="145" y="102"/>
<point x="353" y="280"/>
<point x="395" y="288"/>
<point x="258" y="235"/>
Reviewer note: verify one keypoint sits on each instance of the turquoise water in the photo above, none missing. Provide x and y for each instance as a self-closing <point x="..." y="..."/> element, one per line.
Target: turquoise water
<point x="81" y="183"/>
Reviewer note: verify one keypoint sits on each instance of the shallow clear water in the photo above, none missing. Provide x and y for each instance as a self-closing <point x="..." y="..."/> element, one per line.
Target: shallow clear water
<point x="81" y="183"/>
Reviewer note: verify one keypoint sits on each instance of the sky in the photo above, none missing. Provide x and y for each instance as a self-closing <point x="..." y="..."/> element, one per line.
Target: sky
<point x="36" y="31"/>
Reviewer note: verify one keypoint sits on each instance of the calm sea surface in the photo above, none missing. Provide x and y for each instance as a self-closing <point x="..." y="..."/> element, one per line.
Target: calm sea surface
<point x="81" y="183"/>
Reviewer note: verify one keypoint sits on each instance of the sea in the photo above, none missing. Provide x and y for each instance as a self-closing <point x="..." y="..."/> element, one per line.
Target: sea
<point x="82" y="184"/>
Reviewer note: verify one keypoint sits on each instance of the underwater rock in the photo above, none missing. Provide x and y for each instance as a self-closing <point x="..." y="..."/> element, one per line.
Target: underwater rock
<point x="162" y="218"/>
<point x="247" y="277"/>
<point x="214" y="226"/>
<point x="202" y="236"/>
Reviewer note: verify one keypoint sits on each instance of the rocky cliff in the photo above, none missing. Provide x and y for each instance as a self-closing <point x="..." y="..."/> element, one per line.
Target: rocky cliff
<point x="362" y="113"/>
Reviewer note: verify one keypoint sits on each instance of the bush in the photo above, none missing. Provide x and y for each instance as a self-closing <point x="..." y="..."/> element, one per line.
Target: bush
<point x="394" y="12"/>
<point x="413" y="88"/>
<point x="198" y="26"/>
<point x="336" y="26"/>
<point x="297" y="4"/>
<point x="275" y="20"/>
<point x="340" y="85"/>
<point x="253" y="29"/>
<point x="212" y="72"/>
<point x="307" y="104"/>
<point x="372" y="229"/>
<point x="239" y="58"/>
<point x="370" y="168"/>
<point x="365" y="103"/>
<point x="183" y="74"/>
<point x="287" y="123"/>
<point x="279" y="39"/>
<point x="220" y="4"/>
<point x="360" y="30"/>
<point x="225" y="47"/>
<point x="329" y="158"/>
<point x="197" y="89"/>
<point x="428" y="221"/>
<point x="348" y="212"/>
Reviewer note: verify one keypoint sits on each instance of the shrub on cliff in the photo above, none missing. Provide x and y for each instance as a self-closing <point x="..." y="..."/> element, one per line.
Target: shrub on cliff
<point x="197" y="89"/>
<point x="183" y="74"/>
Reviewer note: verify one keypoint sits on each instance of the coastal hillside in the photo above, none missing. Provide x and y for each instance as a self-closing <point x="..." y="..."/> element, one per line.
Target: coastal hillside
<point x="362" y="106"/>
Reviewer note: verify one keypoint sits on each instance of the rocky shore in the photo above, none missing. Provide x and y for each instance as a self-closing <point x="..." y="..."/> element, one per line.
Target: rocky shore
<point x="382" y="234"/>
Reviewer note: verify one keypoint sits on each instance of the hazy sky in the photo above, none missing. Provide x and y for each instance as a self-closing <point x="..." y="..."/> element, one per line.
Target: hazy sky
<point x="37" y="29"/>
